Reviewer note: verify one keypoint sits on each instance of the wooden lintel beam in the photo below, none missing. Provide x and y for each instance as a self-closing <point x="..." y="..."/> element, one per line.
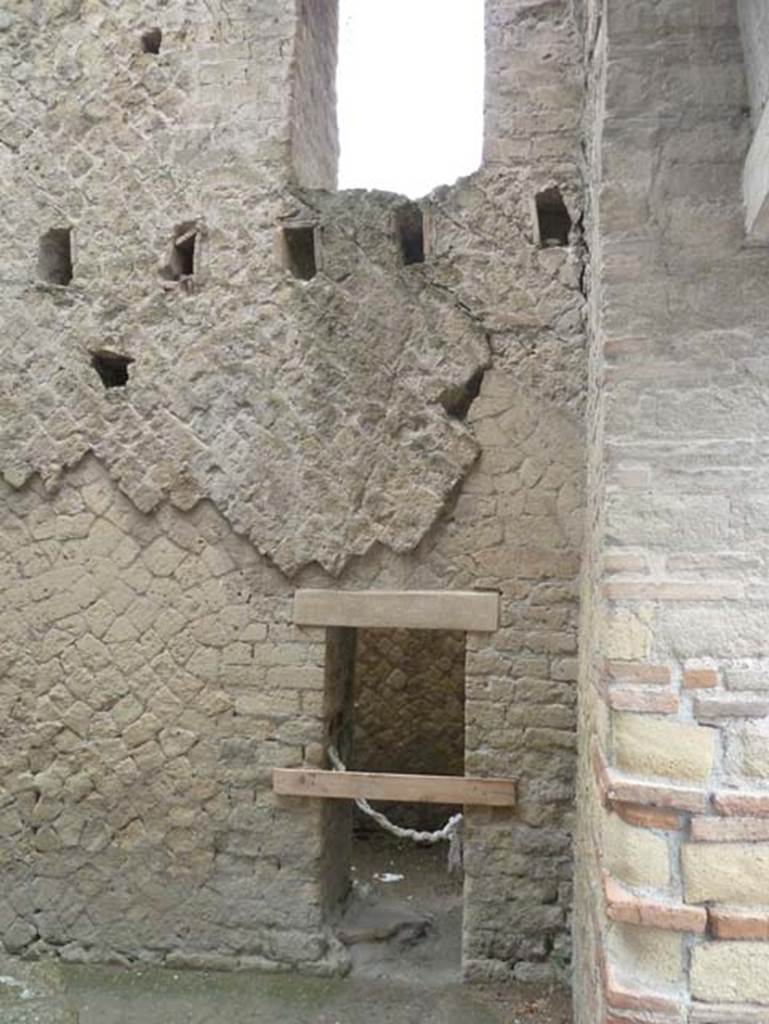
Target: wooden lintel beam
<point x="468" y="610"/>
<point x="420" y="789"/>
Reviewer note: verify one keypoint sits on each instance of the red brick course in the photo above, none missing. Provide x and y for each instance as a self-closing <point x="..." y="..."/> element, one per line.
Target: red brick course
<point x="700" y="678"/>
<point x="638" y="672"/>
<point x="655" y="703"/>
<point x="616" y="788"/>
<point x="649" y="817"/>
<point x="741" y="804"/>
<point x="620" y="996"/>
<point x="737" y="923"/>
<point x="729" y="830"/>
<point x="624" y="906"/>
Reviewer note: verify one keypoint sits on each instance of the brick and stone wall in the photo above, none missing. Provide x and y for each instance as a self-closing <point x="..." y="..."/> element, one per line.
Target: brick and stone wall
<point x="373" y="425"/>
<point x="673" y="801"/>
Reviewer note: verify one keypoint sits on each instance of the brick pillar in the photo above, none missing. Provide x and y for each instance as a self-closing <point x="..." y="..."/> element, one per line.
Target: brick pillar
<point x="674" y="847"/>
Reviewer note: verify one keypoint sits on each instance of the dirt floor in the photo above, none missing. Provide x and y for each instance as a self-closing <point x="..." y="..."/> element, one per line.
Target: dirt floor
<point x="73" y="994"/>
<point x="404" y="937"/>
<point x="404" y="919"/>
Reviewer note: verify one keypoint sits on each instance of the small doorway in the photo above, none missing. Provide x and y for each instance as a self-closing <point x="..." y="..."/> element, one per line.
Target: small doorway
<point x="396" y="704"/>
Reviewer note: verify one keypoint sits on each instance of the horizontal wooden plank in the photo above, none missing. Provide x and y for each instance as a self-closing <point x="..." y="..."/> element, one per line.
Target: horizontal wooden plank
<point x="418" y="789"/>
<point x="468" y="610"/>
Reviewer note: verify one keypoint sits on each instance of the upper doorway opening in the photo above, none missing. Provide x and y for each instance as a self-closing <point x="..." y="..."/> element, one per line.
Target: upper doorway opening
<point x="410" y="93"/>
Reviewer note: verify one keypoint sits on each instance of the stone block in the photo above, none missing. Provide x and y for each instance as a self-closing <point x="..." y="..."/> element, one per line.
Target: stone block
<point x="626" y="636"/>
<point x="731" y="972"/>
<point x="647" y="954"/>
<point x="635" y="856"/>
<point x="726" y="872"/>
<point x="646" y="745"/>
<point x="750" y="746"/>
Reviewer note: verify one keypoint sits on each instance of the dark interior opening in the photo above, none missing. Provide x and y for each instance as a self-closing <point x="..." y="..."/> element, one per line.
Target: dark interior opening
<point x="151" y="40"/>
<point x="409" y="225"/>
<point x="55" y="256"/>
<point x="183" y="256"/>
<point x="299" y="251"/>
<point x="457" y="400"/>
<point x="182" y="260"/>
<point x="553" y="220"/>
<point x="112" y="368"/>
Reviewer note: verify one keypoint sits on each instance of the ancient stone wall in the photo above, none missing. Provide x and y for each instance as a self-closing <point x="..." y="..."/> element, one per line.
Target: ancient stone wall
<point x="673" y="797"/>
<point x="151" y="680"/>
<point x="409" y="710"/>
<point x="328" y="418"/>
<point x="754" y="24"/>
<point x="410" y="701"/>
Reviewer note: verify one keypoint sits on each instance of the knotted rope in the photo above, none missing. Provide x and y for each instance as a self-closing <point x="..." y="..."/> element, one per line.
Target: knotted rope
<point x="451" y="831"/>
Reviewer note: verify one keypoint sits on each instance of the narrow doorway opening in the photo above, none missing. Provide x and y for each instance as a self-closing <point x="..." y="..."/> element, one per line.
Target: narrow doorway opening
<point x="395" y="704"/>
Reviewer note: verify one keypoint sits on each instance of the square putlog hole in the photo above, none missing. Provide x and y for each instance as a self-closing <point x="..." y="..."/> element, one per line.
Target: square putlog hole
<point x="151" y="40"/>
<point x="299" y="251"/>
<point x="553" y="220"/>
<point x="182" y="263"/>
<point x="54" y="262"/>
<point x="112" y="368"/>
<point x="410" y="229"/>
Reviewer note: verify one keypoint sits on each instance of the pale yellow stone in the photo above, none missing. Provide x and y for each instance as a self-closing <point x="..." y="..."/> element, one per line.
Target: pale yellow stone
<point x="648" y="954"/>
<point x="625" y="636"/>
<point x="752" y="751"/>
<point x="726" y="972"/>
<point x="727" y="872"/>
<point x="650" y="745"/>
<point x="635" y="855"/>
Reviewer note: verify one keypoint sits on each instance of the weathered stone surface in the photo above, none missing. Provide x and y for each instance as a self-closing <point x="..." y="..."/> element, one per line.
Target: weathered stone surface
<point x="410" y="709"/>
<point x="335" y="429"/>
<point x="647" y="745"/>
<point x="635" y="855"/>
<point x="675" y="559"/>
<point x="731" y="972"/>
<point x="726" y="872"/>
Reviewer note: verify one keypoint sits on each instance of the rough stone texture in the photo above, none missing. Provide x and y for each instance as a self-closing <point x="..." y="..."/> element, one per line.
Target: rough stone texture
<point x="409" y="712"/>
<point x="337" y="429"/>
<point x="409" y="701"/>
<point x="634" y="855"/>
<point x="731" y="972"/>
<point x="656" y="956"/>
<point x="271" y="396"/>
<point x="151" y="680"/>
<point x="754" y="25"/>
<point x="646" y="745"/>
<point x="726" y="873"/>
<point x="274" y="433"/>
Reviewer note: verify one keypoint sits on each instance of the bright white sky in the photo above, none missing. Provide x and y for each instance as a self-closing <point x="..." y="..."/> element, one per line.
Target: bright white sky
<point x="410" y="87"/>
